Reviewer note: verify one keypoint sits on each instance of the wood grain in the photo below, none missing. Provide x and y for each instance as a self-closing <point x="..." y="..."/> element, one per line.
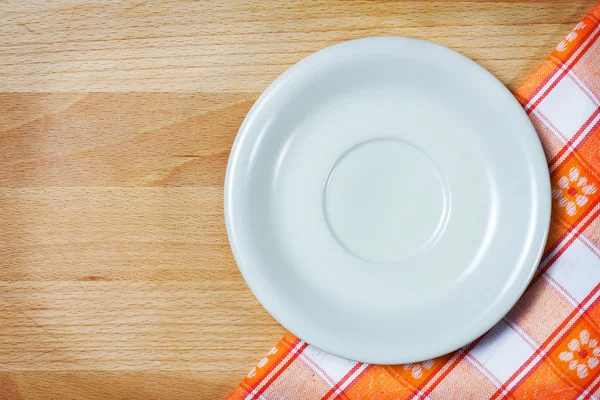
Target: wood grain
<point x="116" y="278"/>
<point x="233" y="46"/>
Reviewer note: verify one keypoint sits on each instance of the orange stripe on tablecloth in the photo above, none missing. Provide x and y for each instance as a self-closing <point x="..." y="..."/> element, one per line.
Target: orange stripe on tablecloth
<point x="575" y="137"/>
<point x="592" y="390"/>
<point x="479" y="365"/>
<point x="561" y="375"/>
<point x="525" y="100"/>
<point x="287" y="344"/>
<point x="588" y="92"/>
<point x="564" y="248"/>
<point x="531" y="378"/>
<point x="581" y="160"/>
<point x="405" y="381"/>
<point x="578" y="311"/>
<point x="565" y="71"/>
<point x="576" y="234"/>
<point x="569" y="230"/>
<point x="339" y="384"/>
<point x="557" y="284"/>
<point x="280" y="371"/>
<point x="313" y="364"/>
<point x="452" y="364"/>
<point x="558" y="65"/>
<point x="520" y="332"/>
<point x="351" y="384"/>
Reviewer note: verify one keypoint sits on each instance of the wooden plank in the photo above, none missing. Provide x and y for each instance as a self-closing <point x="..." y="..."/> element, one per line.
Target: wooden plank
<point x="108" y="139"/>
<point x="117" y="385"/>
<point x="91" y="326"/>
<point x="81" y="46"/>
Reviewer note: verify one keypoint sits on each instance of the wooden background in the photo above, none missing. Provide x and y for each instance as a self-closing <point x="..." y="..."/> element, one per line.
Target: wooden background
<point x="116" y="120"/>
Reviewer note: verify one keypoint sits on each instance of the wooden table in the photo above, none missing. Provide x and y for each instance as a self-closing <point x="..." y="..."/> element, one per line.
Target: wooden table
<point x="116" y="278"/>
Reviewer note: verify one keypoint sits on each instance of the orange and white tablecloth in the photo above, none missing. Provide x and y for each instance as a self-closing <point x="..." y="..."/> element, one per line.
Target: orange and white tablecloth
<point x="548" y="346"/>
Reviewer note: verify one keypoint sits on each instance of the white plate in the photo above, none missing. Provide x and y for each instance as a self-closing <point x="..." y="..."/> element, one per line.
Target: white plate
<point x="387" y="200"/>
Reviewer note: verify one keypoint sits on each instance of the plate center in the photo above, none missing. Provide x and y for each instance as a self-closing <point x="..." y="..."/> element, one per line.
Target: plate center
<point x="385" y="200"/>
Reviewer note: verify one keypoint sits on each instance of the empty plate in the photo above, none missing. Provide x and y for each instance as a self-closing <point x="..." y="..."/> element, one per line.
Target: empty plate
<point x="387" y="200"/>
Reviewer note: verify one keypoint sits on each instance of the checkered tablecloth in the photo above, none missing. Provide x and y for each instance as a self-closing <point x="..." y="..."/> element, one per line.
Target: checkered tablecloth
<point x="547" y="347"/>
